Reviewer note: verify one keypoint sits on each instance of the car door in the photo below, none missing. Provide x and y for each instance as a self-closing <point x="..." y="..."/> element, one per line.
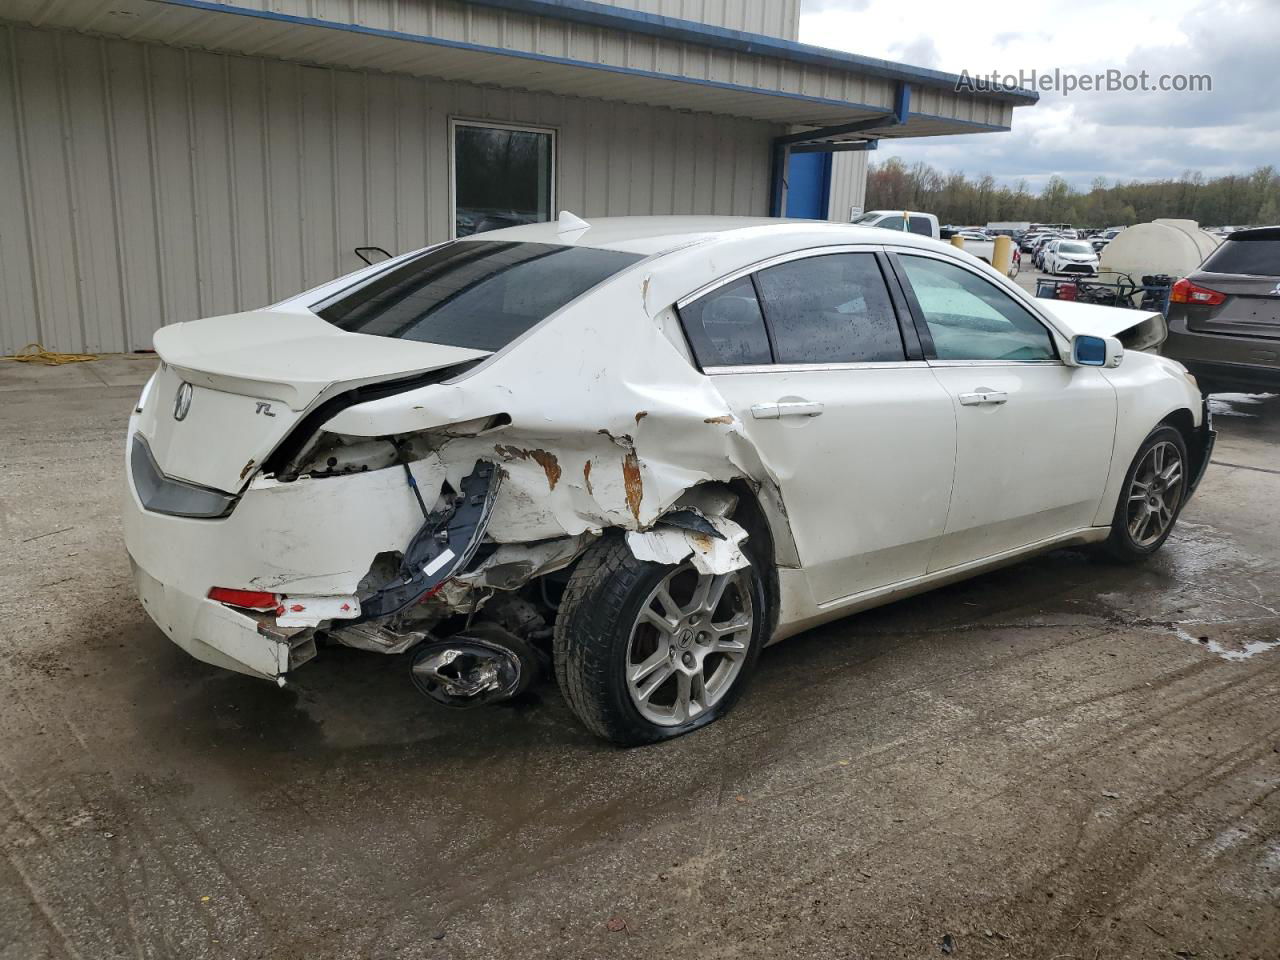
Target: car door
<point x="809" y="351"/>
<point x="1033" y="436"/>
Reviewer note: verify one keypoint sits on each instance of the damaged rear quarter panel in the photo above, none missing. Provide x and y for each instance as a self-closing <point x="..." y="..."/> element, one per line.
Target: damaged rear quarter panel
<point x="609" y="422"/>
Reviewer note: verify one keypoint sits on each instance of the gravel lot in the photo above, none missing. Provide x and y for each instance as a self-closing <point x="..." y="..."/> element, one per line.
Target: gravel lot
<point x="1063" y="759"/>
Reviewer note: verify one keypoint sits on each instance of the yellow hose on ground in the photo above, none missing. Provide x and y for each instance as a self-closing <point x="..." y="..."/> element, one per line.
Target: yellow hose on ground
<point x="36" y="353"/>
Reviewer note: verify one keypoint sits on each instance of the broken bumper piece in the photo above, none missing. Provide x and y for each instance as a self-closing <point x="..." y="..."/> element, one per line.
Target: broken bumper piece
<point x="219" y="635"/>
<point x="443" y="545"/>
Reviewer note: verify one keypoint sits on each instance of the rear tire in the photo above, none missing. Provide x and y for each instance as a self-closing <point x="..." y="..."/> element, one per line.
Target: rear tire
<point x="613" y="644"/>
<point x="1151" y="498"/>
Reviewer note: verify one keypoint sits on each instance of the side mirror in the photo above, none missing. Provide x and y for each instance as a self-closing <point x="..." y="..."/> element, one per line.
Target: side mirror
<point x="1095" y="352"/>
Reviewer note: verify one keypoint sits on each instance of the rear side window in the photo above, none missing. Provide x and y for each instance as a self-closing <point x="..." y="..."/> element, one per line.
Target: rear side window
<point x="480" y="294"/>
<point x="1257" y="258"/>
<point x="833" y="308"/>
<point x="922" y="226"/>
<point x="725" y="328"/>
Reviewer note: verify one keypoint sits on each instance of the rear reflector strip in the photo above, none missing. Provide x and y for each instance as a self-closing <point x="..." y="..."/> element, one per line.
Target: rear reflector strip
<point x="245" y="599"/>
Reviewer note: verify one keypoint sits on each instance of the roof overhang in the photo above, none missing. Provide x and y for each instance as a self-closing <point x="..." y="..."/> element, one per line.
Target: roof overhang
<point x="567" y="47"/>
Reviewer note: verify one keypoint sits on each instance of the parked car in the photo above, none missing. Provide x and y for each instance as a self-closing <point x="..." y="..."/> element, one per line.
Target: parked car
<point x="639" y="449"/>
<point x="1029" y="241"/>
<point x="1224" y="319"/>
<point x="1042" y="250"/>
<point x="1071" y="256"/>
<point x="904" y="221"/>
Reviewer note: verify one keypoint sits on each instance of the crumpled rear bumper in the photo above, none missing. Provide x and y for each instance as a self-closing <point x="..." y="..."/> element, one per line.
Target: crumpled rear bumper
<point x="217" y="634"/>
<point x="310" y="538"/>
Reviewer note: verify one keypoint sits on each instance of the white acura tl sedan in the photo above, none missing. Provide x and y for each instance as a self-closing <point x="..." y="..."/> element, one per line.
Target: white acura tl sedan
<point x="634" y="451"/>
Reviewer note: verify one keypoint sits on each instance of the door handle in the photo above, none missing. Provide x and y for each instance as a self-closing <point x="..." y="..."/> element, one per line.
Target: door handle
<point x="981" y="396"/>
<point x="786" y="408"/>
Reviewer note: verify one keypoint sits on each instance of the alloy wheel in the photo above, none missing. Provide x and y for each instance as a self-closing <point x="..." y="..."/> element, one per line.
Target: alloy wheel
<point x="1155" y="493"/>
<point x="689" y="643"/>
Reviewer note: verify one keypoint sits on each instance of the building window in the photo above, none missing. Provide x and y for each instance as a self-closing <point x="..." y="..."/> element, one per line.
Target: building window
<point x="503" y="176"/>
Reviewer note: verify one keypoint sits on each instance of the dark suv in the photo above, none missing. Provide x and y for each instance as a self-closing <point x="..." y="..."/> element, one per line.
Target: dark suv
<point x="1224" y="319"/>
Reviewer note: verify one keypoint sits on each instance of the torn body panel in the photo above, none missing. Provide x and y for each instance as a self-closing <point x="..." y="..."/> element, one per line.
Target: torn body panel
<point x="713" y="554"/>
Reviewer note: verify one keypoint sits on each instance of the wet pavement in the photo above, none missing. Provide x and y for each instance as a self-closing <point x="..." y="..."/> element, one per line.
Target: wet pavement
<point x="1061" y="759"/>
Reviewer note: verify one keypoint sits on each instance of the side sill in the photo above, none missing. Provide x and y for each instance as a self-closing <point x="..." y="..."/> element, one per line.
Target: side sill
<point x="835" y="609"/>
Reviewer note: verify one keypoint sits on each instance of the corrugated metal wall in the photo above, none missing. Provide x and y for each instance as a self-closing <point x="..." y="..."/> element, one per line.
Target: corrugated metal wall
<point x="773" y="18"/>
<point x="815" y="90"/>
<point x="143" y="184"/>
<point x="848" y="184"/>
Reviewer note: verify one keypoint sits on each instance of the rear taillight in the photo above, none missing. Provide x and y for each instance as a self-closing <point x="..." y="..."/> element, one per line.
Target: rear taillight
<point x="245" y="599"/>
<point x="1184" y="291"/>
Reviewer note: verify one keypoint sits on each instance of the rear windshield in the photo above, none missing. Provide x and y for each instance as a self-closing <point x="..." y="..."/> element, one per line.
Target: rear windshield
<point x="1257" y="258"/>
<point x="480" y="294"/>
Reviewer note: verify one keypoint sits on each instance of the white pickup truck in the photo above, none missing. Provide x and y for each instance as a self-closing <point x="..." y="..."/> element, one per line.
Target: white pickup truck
<point x="926" y="224"/>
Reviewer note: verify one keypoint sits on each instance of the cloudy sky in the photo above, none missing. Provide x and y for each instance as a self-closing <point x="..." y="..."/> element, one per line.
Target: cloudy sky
<point x="1232" y="129"/>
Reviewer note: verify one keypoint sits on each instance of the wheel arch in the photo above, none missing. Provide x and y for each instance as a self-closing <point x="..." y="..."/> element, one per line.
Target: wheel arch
<point x="1183" y="420"/>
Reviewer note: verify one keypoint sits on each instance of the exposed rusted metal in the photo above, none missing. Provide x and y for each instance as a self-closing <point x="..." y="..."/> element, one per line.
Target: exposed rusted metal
<point x="548" y="461"/>
<point x="633" y="482"/>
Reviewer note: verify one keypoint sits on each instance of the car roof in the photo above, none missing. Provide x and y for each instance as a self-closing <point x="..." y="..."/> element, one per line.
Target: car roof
<point x="655" y="235"/>
<point x="1255" y="233"/>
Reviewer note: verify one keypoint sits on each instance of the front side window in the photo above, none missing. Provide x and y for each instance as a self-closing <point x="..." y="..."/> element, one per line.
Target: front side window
<point x="725" y="328"/>
<point x="971" y="319"/>
<point x="833" y="308"/>
<point x="475" y="293"/>
<point x="502" y="177"/>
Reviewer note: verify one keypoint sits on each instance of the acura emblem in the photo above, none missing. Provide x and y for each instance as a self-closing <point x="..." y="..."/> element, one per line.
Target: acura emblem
<point x="182" y="402"/>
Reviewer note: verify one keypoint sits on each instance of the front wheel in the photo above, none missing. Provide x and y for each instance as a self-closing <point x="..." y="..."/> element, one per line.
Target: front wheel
<point x="645" y="652"/>
<point x="1152" y="496"/>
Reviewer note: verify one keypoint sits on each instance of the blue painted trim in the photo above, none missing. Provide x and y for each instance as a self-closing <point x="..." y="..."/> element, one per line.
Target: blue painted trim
<point x="902" y="102"/>
<point x="689" y="31"/>
<point x="777" y="176"/>
<point x="210" y="7"/>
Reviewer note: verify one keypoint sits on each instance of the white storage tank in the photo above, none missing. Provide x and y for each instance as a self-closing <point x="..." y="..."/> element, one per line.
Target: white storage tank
<point x="1172" y="247"/>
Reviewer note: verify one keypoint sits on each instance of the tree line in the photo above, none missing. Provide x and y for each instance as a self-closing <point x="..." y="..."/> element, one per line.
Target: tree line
<point x="1235" y="200"/>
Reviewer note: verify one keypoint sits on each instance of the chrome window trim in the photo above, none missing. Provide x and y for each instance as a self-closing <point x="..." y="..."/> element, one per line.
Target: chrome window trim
<point x="815" y="367"/>
<point x="774" y="260"/>
<point x="994" y="363"/>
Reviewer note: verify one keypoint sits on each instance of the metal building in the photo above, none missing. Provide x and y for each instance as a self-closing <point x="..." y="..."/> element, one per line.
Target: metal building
<point x="162" y="160"/>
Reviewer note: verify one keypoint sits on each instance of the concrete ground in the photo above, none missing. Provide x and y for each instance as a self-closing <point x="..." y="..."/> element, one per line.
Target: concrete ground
<point x="1064" y="759"/>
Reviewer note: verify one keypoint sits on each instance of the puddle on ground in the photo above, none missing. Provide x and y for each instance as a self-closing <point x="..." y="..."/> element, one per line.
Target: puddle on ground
<point x="1225" y="645"/>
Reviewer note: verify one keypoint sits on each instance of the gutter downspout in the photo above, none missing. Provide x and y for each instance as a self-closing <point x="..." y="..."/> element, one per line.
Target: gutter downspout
<point x="816" y="141"/>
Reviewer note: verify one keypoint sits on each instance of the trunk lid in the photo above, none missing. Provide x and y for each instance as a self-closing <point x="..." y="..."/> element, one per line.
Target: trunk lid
<point x="1252" y="307"/>
<point x="252" y="377"/>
